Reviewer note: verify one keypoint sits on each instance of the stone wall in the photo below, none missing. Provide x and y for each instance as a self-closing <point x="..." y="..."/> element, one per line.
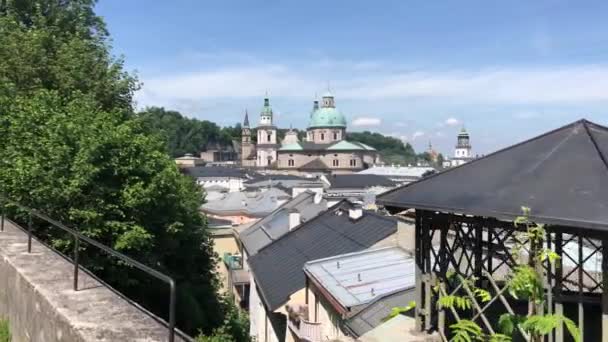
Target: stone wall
<point x="37" y="297"/>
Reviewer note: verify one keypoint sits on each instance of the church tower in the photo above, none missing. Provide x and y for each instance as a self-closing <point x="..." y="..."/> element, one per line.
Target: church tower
<point x="267" y="137"/>
<point x="246" y="145"/>
<point x="463" y="145"/>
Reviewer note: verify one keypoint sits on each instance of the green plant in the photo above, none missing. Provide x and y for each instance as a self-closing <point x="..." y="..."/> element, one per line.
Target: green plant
<point x="399" y="310"/>
<point x="5" y="331"/>
<point x="525" y="282"/>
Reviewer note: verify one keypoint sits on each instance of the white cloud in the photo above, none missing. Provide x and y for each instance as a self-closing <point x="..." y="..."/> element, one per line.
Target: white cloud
<point x="452" y="122"/>
<point x="511" y="85"/>
<point x="366" y="122"/>
<point x="417" y="134"/>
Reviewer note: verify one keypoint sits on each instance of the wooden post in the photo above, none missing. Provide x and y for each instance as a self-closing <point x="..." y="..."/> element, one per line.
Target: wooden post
<point x="604" y="291"/>
<point x="559" y="308"/>
<point x="418" y="275"/>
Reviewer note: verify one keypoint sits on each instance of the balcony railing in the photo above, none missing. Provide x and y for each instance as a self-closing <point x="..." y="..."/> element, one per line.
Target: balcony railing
<point x="305" y="330"/>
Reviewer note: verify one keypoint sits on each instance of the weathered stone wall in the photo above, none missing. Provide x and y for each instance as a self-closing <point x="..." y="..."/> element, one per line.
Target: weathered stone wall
<point x="37" y="297"/>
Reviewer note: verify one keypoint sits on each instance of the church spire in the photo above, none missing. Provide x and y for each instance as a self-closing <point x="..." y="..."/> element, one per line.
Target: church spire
<point x="246" y="120"/>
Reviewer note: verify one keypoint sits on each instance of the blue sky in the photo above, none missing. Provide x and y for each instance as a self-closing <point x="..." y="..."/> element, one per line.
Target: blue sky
<point x="416" y="70"/>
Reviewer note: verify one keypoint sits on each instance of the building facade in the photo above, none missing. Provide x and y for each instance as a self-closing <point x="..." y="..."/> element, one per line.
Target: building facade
<point x="325" y="147"/>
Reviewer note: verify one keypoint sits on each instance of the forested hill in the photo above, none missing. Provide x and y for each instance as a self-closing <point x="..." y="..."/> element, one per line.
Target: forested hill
<point x="393" y="150"/>
<point x="185" y="135"/>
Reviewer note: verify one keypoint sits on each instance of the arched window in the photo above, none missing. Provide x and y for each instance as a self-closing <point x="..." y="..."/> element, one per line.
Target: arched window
<point x="353" y="162"/>
<point x="335" y="135"/>
<point x="336" y="162"/>
<point x="290" y="162"/>
<point x="268" y="137"/>
<point x="322" y="136"/>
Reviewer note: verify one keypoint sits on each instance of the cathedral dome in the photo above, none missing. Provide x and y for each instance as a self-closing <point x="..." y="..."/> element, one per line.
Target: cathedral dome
<point x="327" y="115"/>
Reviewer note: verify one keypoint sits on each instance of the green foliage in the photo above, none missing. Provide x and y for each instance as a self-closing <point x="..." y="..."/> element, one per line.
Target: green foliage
<point x="73" y="148"/>
<point x="234" y="329"/>
<point x="399" y="310"/>
<point x="393" y="150"/>
<point x="184" y="135"/>
<point x="483" y="295"/>
<point x="525" y="282"/>
<point x="5" y="331"/>
<point x="453" y="301"/>
<point x="466" y="331"/>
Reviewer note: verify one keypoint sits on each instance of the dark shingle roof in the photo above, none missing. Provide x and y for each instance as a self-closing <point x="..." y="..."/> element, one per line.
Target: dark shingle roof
<point x="278" y="268"/>
<point x="359" y="181"/>
<point x="373" y="315"/>
<point x="561" y="175"/>
<point x="276" y="224"/>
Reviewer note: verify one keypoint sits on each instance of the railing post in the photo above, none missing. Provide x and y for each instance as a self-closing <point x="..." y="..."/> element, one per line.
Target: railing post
<point x="29" y="232"/>
<point x="76" y="247"/>
<point x="3" y="204"/>
<point x="172" y="311"/>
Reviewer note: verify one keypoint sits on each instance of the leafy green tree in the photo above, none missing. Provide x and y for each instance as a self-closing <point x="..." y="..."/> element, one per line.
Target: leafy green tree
<point x="392" y="150"/>
<point x="184" y="135"/>
<point x="73" y="148"/>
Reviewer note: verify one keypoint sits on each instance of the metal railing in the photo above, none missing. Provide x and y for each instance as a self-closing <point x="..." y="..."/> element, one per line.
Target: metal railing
<point x="77" y="236"/>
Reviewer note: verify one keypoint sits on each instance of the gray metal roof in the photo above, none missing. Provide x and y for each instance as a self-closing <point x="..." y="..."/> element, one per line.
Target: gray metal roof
<point x="258" y="204"/>
<point x="375" y="313"/>
<point x="217" y="172"/>
<point x="410" y="172"/>
<point x="358" y="181"/>
<point x="278" y="267"/>
<point x="275" y="225"/>
<point x="561" y="175"/>
<point x="358" y="278"/>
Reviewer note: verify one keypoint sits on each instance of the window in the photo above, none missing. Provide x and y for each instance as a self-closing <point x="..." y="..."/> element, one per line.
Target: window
<point x="353" y="162"/>
<point x="322" y="136"/>
<point x="335" y="136"/>
<point x="336" y="162"/>
<point x="290" y="162"/>
<point x="268" y="137"/>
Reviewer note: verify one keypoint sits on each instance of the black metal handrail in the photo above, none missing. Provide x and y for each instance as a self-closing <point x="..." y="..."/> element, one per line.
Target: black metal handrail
<point x="79" y="236"/>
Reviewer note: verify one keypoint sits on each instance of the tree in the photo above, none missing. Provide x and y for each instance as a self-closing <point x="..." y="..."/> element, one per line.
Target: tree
<point x="392" y="150"/>
<point x="73" y="148"/>
<point x="184" y="135"/>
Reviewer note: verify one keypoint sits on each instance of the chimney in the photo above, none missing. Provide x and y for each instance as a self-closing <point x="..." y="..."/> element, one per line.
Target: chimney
<point x="294" y="218"/>
<point x="317" y="198"/>
<point x="355" y="212"/>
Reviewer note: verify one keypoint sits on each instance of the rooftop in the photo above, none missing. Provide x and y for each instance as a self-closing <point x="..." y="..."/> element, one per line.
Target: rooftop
<point x="278" y="267"/>
<point x="276" y="224"/>
<point x="561" y="175"/>
<point x="359" y="278"/>
<point x="342" y="145"/>
<point x="398" y="171"/>
<point x="257" y="204"/>
<point x="217" y="172"/>
<point x="358" y="181"/>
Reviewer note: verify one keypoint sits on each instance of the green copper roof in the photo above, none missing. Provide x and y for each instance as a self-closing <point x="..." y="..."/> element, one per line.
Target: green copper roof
<point x="348" y="146"/>
<point x="327" y="117"/>
<point x="291" y="147"/>
<point x="266" y="110"/>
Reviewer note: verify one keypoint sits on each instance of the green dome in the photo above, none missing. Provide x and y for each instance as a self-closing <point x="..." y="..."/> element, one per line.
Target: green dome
<point x="327" y="117"/>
